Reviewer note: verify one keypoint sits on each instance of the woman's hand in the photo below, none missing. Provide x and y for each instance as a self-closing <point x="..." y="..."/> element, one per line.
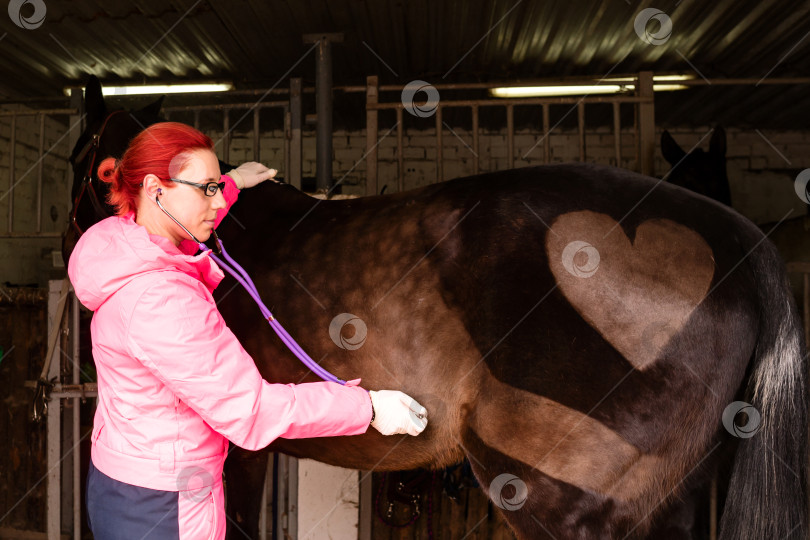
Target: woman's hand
<point x="395" y="412"/>
<point x="251" y="173"/>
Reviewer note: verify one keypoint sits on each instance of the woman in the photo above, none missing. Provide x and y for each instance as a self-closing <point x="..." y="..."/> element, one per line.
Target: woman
<point x="174" y="383"/>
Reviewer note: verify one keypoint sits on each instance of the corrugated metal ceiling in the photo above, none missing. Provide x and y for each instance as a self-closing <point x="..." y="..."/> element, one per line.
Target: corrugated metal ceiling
<point x="257" y="43"/>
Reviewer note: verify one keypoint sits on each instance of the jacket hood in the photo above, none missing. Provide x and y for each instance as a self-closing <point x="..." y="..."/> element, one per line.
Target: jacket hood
<point x="117" y="250"/>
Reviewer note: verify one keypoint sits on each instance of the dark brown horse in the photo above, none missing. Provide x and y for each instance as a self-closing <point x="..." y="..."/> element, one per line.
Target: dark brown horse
<point x="580" y="333"/>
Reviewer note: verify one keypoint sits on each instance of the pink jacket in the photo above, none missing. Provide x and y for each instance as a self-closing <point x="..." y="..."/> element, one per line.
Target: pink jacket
<point x="174" y="383"/>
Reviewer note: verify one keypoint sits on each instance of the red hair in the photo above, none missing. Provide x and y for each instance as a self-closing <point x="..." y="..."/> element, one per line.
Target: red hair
<point x="152" y="151"/>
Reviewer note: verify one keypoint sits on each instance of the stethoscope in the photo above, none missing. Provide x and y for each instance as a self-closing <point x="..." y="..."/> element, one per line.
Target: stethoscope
<point x="243" y="278"/>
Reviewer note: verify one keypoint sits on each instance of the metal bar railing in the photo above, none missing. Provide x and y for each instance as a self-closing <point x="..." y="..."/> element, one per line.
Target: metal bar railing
<point x="373" y="106"/>
<point x="256" y="117"/>
<point x="35" y="112"/>
<point x="521" y="101"/>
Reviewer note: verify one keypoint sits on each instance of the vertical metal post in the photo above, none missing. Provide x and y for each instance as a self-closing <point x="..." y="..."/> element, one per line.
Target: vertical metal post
<point x="54" y="420"/>
<point x="76" y="128"/>
<point x="636" y="139"/>
<point x="11" y="175"/>
<point x="372" y="119"/>
<point x="286" y="139"/>
<point x="77" y="436"/>
<point x="581" y="129"/>
<point x="646" y="121"/>
<point x="226" y="135"/>
<point x="400" y="158"/>
<point x="40" y="152"/>
<point x="256" y="134"/>
<point x="475" y="139"/>
<point x="617" y="133"/>
<point x="510" y="137"/>
<point x="546" y="134"/>
<point x="323" y="107"/>
<point x="287" y="501"/>
<point x="294" y="172"/>
<point x="439" y="159"/>
<point x="197" y="119"/>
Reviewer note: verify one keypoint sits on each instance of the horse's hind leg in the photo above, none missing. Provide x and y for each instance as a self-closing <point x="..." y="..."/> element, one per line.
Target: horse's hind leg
<point x="535" y="505"/>
<point x="556" y="472"/>
<point x="245" y="473"/>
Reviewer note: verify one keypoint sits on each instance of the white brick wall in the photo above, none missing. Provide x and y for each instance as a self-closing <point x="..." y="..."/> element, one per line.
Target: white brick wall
<point x="761" y="179"/>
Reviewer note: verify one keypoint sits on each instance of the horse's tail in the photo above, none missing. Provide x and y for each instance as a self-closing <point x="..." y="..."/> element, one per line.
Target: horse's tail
<point x="767" y="496"/>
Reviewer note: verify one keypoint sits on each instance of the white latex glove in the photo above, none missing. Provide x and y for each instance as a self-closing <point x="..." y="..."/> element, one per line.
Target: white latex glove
<point x="251" y="173"/>
<point x="395" y="412"/>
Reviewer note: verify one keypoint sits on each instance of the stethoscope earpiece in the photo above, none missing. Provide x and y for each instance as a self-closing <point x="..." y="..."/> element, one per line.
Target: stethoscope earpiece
<point x="157" y="201"/>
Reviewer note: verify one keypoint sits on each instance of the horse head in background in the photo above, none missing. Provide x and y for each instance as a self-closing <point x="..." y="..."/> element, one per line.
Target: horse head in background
<point x="699" y="171"/>
<point x="107" y="134"/>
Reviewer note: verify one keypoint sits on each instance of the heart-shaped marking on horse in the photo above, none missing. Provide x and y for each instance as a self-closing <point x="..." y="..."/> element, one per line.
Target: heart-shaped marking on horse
<point x="636" y="295"/>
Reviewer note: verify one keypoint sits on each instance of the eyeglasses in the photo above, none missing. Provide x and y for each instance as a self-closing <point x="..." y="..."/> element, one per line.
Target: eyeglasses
<point x="209" y="188"/>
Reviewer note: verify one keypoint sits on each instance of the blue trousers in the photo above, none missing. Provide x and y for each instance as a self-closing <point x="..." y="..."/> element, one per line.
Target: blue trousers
<point x="119" y="511"/>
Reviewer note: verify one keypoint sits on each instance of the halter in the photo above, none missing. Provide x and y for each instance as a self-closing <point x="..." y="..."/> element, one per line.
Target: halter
<point x="90" y="148"/>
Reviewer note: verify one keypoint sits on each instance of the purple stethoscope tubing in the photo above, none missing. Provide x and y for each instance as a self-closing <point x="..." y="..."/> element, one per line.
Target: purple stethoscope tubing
<point x="242" y="277"/>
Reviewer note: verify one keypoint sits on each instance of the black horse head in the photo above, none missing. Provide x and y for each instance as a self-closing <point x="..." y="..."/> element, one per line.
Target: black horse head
<point x="699" y="171"/>
<point x="107" y="135"/>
